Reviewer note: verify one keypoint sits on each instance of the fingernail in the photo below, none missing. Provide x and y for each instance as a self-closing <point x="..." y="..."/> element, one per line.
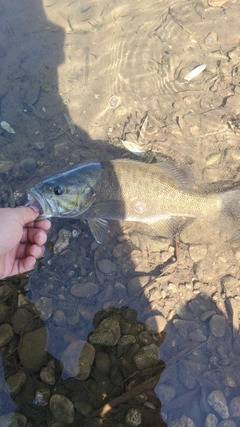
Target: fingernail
<point x="35" y="208"/>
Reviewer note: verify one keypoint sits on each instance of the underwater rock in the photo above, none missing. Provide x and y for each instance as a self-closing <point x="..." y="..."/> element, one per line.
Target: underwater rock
<point x="217" y="400"/>
<point x="6" y="166"/>
<point x="84" y="290"/>
<point x="217" y="325"/>
<point x="77" y="359"/>
<point x="234" y="407"/>
<point x="6" y="334"/>
<point x="16" y="382"/>
<point x="133" y="417"/>
<point x="62" y="241"/>
<point x="106" y="266"/>
<point x="13" y="419"/>
<point x="62" y="409"/>
<point x="47" y="374"/>
<point x="147" y="356"/>
<point x="107" y="333"/>
<point x="32" y="349"/>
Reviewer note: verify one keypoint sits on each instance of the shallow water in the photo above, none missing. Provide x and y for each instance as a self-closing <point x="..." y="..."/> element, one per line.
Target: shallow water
<point x="76" y="79"/>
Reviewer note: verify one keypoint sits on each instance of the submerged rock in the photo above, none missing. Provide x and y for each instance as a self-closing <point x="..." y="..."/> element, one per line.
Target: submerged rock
<point x="77" y="359"/>
<point x="62" y="409"/>
<point x="107" y="333"/>
<point x="32" y="349"/>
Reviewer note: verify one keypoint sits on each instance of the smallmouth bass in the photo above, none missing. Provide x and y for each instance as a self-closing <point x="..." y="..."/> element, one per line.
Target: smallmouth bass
<point x="154" y="194"/>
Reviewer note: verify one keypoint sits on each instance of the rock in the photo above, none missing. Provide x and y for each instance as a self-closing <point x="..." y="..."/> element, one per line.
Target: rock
<point x="84" y="290"/>
<point x="62" y="409"/>
<point x="234" y="407"/>
<point x="5" y="292"/>
<point x="23" y="321"/>
<point x="29" y="164"/>
<point x="136" y="284"/>
<point x="59" y="318"/>
<point x="217" y="400"/>
<point x="13" y="419"/>
<point x="198" y="335"/>
<point x="126" y="340"/>
<point x="5" y="313"/>
<point x="62" y="241"/>
<point x="47" y="374"/>
<point x="165" y="393"/>
<point x="16" y="382"/>
<point x="32" y="349"/>
<point x="106" y="266"/>
<point x="103" y="362"/>
<point x="227" y="423"/>
<point x="6" y="166"/>
<point x="42" y="397"/>
<point x="199" y="231"/>
<point x="217" y="325"/>
<point x="156" y="323"/>
<point x="185" y="375"/>
<point x="44" y="305"/>
<point x="77" y="359"/>
<point x="6" y="334"/>
<point x="107" y="333"/>
<point x="147" y="356"/>
<point x="216" y="3"/>
<point x="145" y="338"/>
<point x="211" y="421"/>
<point x="133" y="417"/>
<point x="197" y="252"/>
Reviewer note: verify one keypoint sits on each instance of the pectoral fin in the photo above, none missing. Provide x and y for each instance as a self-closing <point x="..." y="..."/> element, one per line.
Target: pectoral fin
<point x="166" y="227"/>
<point x="99" y="228"/>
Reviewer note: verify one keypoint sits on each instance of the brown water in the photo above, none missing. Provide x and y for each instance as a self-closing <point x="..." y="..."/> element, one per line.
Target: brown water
<point x="117" y="70"/>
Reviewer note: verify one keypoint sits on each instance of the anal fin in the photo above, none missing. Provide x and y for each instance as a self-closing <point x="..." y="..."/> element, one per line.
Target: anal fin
<point x="165" y="227"/>
<point x="99" y="228"/>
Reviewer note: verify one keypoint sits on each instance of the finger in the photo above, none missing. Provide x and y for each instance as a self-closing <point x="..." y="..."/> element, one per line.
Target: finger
<point x="34" y="235"/>
<point x="26" y="214"/>
<point x="23" y="265"/>
<point x="43" y="224"/>
<point x="24" y="250"/>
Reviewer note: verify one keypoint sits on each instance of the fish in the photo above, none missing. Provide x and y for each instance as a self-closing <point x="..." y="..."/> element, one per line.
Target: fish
<point x="155" y="194"/>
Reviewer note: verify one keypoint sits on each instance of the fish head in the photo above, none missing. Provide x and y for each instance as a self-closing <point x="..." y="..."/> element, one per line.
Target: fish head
<point x="60" y="197"/>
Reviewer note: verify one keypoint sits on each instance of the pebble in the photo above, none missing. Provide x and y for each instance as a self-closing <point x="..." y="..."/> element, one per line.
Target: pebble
<point x="5" y="313"/>
<point x="133" y="417"/>
<point x="77" y="359"/>
<point x="211" y="421"/>
<point x="5" y="292"/>
<point x="126" y="340"/>
<point x="107" y="333"/>
<point x="44" y="305"/>
<point x="29" y="164"/>
<point x="198" y="335"/>
<point x="73" y="317"/>
<point x="147" y="356"/>
<point x="62" y="409"/>
<point x="106" y="266"/>
<point x="84" y="290"/>
<point x="47" y="374"/>
<point x="217" y="325"/>
<point x="216" y="3"/>
<point x="156" y="323"/>
<point x="197" y="252"/>
<point x="23" y="321"/>
<point x="136" y="283"/>
<point x="227" y="423"/>
<point x="165" y="393"/>
<point x="42" y="397"/>
<point x="13" y="419"/>
<point x="217" y="400"/>
<point x="16" y="382"/>
<point x="32" y="351"/>
<point x="62" y="241"/>
<point x="59" y="318"/>
<point x="6" y="334"/>
<point x="234" y="407"/>
<point x="6" y="166"/>
<point x="183" y="422"/>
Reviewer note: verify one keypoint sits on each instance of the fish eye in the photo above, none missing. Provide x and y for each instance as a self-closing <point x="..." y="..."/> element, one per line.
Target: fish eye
<point x="58" y="190"/>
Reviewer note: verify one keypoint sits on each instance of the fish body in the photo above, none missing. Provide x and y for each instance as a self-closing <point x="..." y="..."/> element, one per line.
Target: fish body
<point x="129" y="190"/>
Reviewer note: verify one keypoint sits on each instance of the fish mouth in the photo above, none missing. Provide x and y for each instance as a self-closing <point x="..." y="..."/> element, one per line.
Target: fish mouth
<point x="46" y="208"/>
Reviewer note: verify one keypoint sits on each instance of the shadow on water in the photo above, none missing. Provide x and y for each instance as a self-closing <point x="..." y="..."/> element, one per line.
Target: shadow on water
<point x="85" y="348"/>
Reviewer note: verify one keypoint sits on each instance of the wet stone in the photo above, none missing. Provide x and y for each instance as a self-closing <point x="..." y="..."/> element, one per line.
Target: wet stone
<point x="6" y="166"/>
<point x="13" y="419"/>
<point x="133" y="417"/>
<point x="156" y="323"/>
<point x="106" y="266"/>
<point x="126" y="340"/>
<point x="165" y="393"/>
<point x="16" y="382"/>
<point x="63" y="241"/>
<point x="147" y="356"/>
<point x="5" y="292"/>
<point x="29" y="164"/>
<point x="23" y="321"/>
<point x="47" y="374"/>
<point x="217" y="400"/>
<point x="59" y="318"/>
<point x="44" y="305"/>
<point x="197" y="335"/>
<point x="136" y="283"/>
<point x="183" y="422"/>
<point x="207" y="315"/>
<point x="186" y="377"/>
<point x="234" y="407"/>
<point x="42" y="397"/>
<point x="145" y="338"/>
<point x="211" y="421"/>
<point x="6" y="334"/>
<point x="84" y="290"/>
<point x="107" y="333"/>
<point x="62" y="408"/>
<point x="217" y="325"/>
<point x="32" y="349"/>
<point x="227" y="423"/>
<point x="77" y="359"/>
<point x="5" y="313"/>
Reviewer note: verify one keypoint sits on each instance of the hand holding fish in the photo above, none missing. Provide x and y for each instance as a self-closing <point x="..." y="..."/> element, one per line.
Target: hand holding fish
<point x="21" y="239"/>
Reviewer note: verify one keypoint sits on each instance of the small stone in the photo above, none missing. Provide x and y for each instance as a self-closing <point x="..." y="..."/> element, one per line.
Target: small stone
<point x="59" y="318"/>
<point x="234" y="407"/>
<point x="197" y="252"/>
<point x="84" y="290"/>
<point x="13" y="419"/>
<point x="126" y="340"/>
<point x="107" y="333"/>
<point x="73" y="317"/>
<point x="165" y="393"/>
<point x="147" y="356"/>
<point x="6" y="166"/>
<point x="29" y="164"/>
<point x="198" y="336"/>
<point x="16" y="382"/>
<point x="32" y="351"/>
<point x="211" y="421"/>
<point x="156" y="323"/>
<point x="145" y="338"/>
<point x="44" y="305"/>
<point x="5" y="313"/>
<point x="136" y="284"/>
<point x="106" y="266"/>
<point x="6" y="334"/>
<point x="24" y="320"/>
<point x="217" y="325"/>
<point x="217" y="400"/>
<point x="216" y="3"/>
<point x="5" y="292"/>
<point x="227" y="423"/>
<point x="77" y="359"/>
<point x="42" y="397"/>
<point x="47" y="374"/>
<point x="207" y="314"/>
<point x="133" y="417"/>
<point x="63" y="241"/>
<point x="62" y="409"/>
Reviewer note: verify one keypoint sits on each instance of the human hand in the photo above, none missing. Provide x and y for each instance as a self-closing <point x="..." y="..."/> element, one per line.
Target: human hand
<point x="21" y="239"/>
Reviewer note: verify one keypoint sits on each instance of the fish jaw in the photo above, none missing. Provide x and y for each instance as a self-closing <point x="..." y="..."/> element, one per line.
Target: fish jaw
<point x="47" y="208"/>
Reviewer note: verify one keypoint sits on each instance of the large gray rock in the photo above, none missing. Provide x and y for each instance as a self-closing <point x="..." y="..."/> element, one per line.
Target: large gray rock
<point x="62" y="409"/>
<point x="32" y="349"/>
<point x="77" y="359"/>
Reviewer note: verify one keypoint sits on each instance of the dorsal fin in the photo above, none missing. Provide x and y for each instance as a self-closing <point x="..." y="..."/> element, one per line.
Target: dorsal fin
<point x="181" y="173"/>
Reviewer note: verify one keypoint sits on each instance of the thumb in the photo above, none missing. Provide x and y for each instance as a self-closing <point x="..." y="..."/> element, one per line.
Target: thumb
<point x="27" y="214"/>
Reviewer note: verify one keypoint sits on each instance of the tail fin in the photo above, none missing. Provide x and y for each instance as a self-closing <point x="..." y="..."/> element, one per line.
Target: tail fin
<point x="230" y="213"/>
